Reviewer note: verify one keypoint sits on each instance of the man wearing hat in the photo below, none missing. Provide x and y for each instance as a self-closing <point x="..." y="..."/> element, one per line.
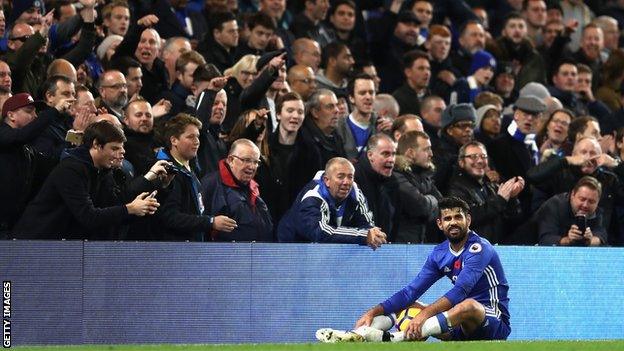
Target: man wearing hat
<point x="504" y="82"/>
<point x="457" y="129"/>
<point x="21" y="172"/>
<point x="27" y="11"/>
<point x="515" y="151"/>
<point x="481" y="72"/>
<point x="387" y="53"/>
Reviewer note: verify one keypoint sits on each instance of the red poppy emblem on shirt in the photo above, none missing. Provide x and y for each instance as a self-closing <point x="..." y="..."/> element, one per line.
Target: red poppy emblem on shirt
<point x="457" y="264"/>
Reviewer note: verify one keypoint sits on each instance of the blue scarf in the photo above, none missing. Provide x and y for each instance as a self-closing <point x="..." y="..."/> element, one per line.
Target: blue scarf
<point x="527" y="139"/>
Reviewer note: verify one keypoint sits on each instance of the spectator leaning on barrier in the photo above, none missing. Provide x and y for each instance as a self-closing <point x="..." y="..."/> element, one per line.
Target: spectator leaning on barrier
<point x="573" y="219"/>
<point x="78" y="199"/>
<point x="231" y="191"/>
<point x="331" y="208"/>
<point x="182" y="215"/>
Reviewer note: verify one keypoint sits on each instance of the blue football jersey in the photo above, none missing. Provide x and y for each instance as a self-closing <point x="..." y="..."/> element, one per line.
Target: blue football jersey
<point x="475" y="272"/>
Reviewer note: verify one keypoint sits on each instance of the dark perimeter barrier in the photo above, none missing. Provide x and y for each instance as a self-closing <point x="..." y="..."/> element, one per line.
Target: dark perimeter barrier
<point x="72" y="292"/>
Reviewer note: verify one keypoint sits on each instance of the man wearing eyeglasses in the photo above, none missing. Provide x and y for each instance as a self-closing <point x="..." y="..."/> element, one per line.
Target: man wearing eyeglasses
<point x="457" y="129"/>
<point x="113" y="93"/>
<point x="493" y="207"/>
<point x="231" y="191"/>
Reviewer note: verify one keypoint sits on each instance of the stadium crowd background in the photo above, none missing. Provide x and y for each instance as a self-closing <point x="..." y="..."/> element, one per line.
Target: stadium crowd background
<point x="229" y="109"/>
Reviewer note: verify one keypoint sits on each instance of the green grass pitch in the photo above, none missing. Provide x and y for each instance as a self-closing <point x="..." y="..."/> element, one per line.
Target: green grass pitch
<point x="446" y="346"/>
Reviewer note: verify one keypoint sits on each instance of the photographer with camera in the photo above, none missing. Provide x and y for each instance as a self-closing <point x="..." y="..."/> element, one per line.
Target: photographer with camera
<point x="573" y="219"/>
<point x="80" y="199"/>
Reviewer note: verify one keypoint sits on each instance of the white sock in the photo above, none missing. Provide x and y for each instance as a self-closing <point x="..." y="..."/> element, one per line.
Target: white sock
<point x="382" y="323"/>
<point x="432" y="325"/>
<point x="397" y="336"/>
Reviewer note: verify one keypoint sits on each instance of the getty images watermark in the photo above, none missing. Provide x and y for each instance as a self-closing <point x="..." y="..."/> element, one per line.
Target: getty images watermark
<point x="6" y="313"/>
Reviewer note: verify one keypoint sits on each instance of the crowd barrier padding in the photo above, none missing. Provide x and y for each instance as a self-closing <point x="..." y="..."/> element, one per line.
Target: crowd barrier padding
<point x="72" y="292"/>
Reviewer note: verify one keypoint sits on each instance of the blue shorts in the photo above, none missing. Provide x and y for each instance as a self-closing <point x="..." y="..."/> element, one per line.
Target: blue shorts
<point x="492" y="328"/>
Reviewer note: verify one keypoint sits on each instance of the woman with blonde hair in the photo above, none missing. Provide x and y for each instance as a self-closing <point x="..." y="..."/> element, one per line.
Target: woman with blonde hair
<point x="244" y="72"/>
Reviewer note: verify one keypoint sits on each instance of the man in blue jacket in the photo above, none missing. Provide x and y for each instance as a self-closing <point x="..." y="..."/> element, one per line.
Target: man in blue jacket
<point x="331" y="208"/>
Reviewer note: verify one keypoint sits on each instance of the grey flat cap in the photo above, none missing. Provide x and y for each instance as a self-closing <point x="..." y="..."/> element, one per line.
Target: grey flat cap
<point x="531" y="104"/>
<point x="536" y="89"/>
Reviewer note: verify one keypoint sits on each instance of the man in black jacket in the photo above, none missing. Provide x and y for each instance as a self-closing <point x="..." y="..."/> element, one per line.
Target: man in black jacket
<point x="457" y="129"/>
<point x="493" y="208"/>
<point x="221" y="41"/>
<point x="21" y="166"/>
<point x="419" y="195"/>
<point x="78" y="200"/>
<point x="559" y="174"/>
<point x="319" y="126"/>
<point x="574" y="219"/>
<point x="139" y="130"/>
<point x="515" y="152"/>
<point x="373" y="173"/>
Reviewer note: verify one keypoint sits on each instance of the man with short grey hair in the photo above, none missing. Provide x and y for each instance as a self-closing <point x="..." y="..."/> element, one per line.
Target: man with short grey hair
<point x="331" y="208"/>
<point x="319" y="126"/>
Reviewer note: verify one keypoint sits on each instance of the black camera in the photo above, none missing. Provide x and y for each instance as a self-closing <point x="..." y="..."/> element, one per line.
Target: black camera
<point x="171" y="169"/>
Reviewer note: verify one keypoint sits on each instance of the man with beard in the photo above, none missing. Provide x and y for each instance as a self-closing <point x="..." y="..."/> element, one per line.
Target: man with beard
<point x="475" y="308"/>
<point x="419" y="195"/>
<point x="139" y="129"/>
<point x="559" y="174"/>
<point x="471" y="39"/>
<point x="337" y="63"/>
<point x="113" y="93"/>
<point x="492" y="207"/>
<point x="573" y="219"/>
<point x="332" y="209"/>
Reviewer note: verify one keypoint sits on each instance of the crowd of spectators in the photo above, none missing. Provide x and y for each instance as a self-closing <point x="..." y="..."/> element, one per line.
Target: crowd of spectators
<point x="311" y="120"/>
